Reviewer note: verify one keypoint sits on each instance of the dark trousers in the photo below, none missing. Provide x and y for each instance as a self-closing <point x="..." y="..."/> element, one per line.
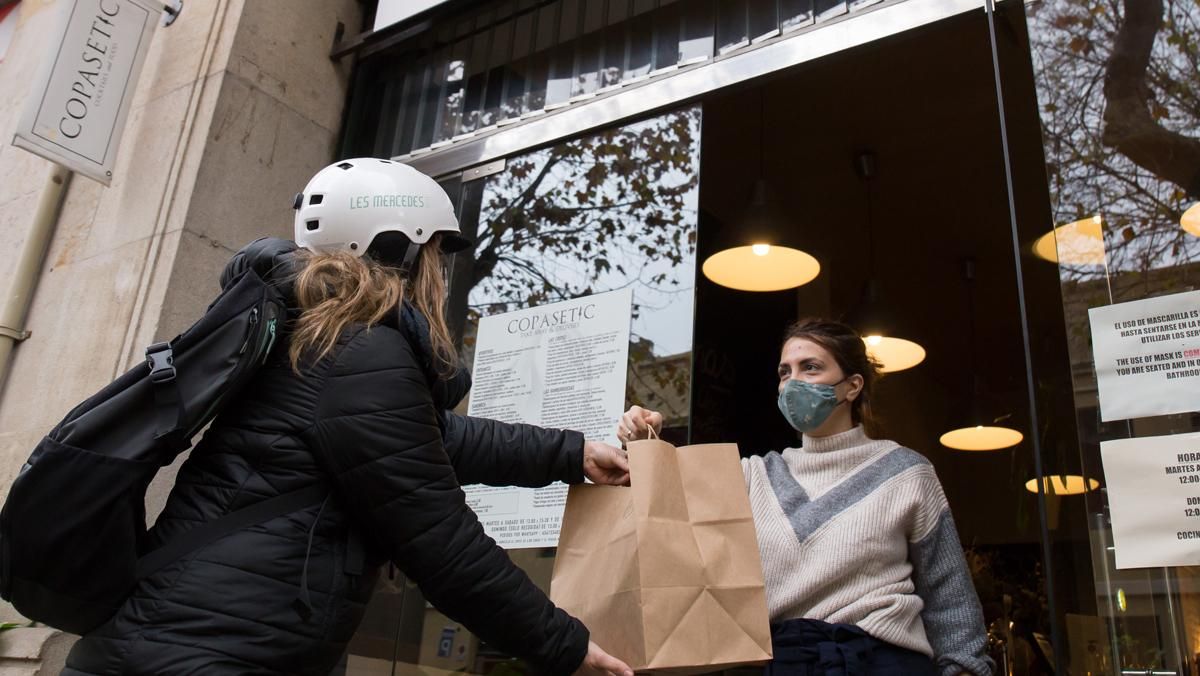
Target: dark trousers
<point x="815" y="648"/>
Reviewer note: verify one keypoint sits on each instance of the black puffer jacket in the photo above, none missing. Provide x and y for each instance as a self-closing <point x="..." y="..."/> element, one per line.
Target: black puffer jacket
<point x="370" y="421"/>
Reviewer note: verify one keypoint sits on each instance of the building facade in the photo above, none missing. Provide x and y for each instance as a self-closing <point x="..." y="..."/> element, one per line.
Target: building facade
<point x="971" y="176"/>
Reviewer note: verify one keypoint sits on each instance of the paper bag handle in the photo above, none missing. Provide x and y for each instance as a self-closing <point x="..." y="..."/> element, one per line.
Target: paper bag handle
<point x="651" y="433"/>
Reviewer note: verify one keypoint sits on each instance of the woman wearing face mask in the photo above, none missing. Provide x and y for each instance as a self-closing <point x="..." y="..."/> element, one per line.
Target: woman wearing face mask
<point x="864" y="572"/>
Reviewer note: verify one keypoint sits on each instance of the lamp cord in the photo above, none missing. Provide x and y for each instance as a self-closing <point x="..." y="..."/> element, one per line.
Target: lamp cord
<point x="870" y="230"/>
<point x="969" y="279"/>
<point x="762" y="129"/>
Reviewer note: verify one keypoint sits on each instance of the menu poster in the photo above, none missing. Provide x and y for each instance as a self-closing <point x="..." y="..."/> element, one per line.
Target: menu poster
<point x="561" y="366"/>
<point x="1147" y="356"/>
<point x="1154" y="499"/>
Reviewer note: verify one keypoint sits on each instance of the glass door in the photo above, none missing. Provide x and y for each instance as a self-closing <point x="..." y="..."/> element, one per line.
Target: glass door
<point x="1101" y="120"/>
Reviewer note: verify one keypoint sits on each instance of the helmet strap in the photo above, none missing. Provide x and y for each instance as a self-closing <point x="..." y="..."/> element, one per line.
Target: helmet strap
<point x="410" y="257"/>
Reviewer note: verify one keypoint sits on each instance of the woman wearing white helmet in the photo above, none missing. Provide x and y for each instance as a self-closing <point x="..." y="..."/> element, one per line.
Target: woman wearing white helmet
<point x="359" y="401"/>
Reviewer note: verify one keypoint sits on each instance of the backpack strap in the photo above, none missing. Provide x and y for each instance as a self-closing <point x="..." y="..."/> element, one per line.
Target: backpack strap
<point x="168" y="404"/>
<point x="234" y="521"/>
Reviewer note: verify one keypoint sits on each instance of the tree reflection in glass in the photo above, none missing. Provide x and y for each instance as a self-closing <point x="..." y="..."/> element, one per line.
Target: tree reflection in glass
<point x="614" y="210"/>
<point x="1119" y="91"/>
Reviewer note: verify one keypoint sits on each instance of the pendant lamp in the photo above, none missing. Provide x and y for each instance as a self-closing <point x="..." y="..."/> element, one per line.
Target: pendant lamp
<point x="874" y="320"/>
<point x="978" y="431"/>
<point x="1063" y="484"/>
<point x="1191" y="219"/>
<point x="1080" y="243"/>
<point x="762" y="262"/>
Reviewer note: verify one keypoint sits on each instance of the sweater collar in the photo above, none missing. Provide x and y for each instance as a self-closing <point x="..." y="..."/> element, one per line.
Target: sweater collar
<point x="852" y="438"/>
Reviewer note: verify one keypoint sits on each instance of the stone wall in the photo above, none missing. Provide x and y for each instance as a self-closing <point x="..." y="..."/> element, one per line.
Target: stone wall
<point x="238" y="104"/>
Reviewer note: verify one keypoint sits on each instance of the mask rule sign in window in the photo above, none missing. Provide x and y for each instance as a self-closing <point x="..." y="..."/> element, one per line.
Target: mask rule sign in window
<point x="1148" y="356"/>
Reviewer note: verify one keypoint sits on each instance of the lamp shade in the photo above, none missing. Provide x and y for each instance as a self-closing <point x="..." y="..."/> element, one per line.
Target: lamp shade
<point x="762" y="263"/>
<point x="876" y="323"/>
<point x="1063" y="484"/>
<point x="894" y="354"/>
<point x="761" y="267"/>
<point x="1077" y="243"/>
<point x="982" y="438"/>
<point x="1191" y="220"/>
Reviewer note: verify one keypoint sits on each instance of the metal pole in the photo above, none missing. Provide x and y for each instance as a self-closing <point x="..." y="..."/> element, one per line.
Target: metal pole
<point x="29" y="264"/>
<point x="1026" y="344"/>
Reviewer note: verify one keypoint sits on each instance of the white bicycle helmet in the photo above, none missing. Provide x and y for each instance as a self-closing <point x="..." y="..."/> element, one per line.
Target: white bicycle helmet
<point x="347" y="205"/>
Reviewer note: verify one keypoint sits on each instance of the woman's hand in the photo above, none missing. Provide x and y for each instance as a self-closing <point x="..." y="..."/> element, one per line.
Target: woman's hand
<point x="636" y="424"/>
<point x="605" y="464"/>
<point x="600" y="663"/>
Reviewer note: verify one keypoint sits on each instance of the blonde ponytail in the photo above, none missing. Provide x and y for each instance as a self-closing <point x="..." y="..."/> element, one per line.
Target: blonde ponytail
<point x="336" y="290"/>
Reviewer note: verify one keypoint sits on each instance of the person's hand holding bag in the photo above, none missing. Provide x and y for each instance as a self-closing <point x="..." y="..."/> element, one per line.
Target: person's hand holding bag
<point x="637" y="423"/>
<point x="605" y="464"/>
<point x="600" y="663"/>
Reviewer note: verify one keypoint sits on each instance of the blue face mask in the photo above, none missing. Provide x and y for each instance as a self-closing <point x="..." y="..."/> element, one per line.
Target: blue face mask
<point x="807" y="406"/>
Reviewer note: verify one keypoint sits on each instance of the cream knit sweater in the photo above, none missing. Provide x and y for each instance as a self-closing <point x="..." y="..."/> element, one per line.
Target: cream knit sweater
<point x="858" y="531"/>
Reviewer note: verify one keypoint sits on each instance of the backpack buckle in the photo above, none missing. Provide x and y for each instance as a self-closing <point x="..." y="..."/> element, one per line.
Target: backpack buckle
<point x="161" y="359"/>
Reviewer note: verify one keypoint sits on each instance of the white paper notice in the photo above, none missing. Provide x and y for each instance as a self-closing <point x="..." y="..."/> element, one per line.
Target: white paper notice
<point x="1154" y="499"/>
<point x="561" y="366"/>
<point x="1148" y="356"/>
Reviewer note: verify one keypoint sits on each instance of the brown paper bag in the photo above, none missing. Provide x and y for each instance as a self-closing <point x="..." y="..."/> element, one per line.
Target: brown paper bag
<point x="666" y="573"/>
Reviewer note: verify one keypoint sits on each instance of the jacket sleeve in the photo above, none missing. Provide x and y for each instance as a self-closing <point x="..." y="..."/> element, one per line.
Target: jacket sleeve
<point x="376" y="430"/>
<point x="491" y="452"/>
<point x="952" y="616"/>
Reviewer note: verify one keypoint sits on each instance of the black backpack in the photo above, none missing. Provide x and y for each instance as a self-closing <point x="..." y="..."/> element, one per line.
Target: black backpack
<point x="72" y="530"/>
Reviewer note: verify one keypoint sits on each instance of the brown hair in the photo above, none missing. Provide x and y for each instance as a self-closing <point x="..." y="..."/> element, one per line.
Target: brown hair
<point x="335" y="290"/>
<point x="850" y="352"/>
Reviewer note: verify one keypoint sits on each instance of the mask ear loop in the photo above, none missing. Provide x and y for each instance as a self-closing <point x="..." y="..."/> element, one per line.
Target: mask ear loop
<point x="840" y="401"/>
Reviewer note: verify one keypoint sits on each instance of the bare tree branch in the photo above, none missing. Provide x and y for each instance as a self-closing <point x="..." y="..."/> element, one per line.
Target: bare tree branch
<point x="1129" y="125"/>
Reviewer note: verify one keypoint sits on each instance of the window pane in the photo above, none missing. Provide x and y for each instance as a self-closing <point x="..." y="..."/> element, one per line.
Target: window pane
<point x="827" y="9"/>
<point x="795" y="13"/>
<point x="389" y="109"/>
<point x="499" y="68"/>
<point x="562" y="74"/>
<point x="547" y="27"/>
<point x="406" y="123"/>
<point x="364" y="115"/>
<point x="453" y="91"/>
<point x="562" y="61"/>
<point x="641" y="47"/>
<point x="589" y="52"/>
<point x="764" y="17"/>
<point x="666" y="36"/>
<point x="732" y="29"/>
<point x="516" y="85"/>
<point x="615" y="50"/>
<point x="476" y="81"/>
<point x="697" y="42"/>
<point x="539" y="80"/>
<point x="432" y="104"/>
<point x="608" y="211"/>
